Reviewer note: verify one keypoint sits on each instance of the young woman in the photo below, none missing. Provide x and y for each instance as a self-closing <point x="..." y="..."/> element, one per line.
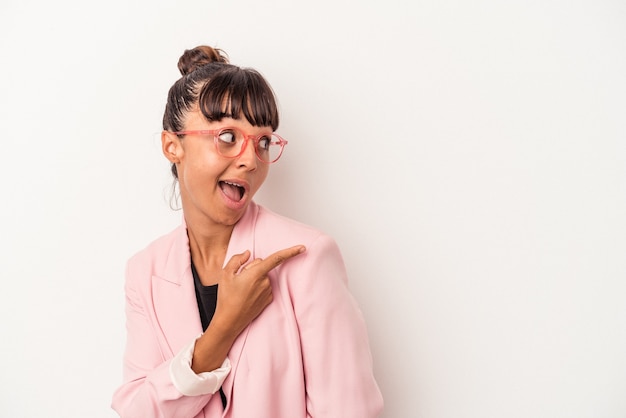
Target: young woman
<point x="238" y="312"/>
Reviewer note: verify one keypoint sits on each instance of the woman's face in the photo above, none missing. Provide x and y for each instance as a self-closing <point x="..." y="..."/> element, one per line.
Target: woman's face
<point x="213" y="188"/>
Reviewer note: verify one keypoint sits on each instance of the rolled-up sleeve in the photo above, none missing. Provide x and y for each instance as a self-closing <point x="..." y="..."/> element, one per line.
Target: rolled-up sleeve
<point x="191" y="384"/>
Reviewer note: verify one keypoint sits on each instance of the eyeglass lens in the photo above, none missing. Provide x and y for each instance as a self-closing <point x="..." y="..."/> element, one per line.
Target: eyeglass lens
<point x="229" y="143"/>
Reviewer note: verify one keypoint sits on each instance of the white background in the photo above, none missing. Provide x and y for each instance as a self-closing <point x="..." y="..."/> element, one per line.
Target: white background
<point x="469" y="158"/>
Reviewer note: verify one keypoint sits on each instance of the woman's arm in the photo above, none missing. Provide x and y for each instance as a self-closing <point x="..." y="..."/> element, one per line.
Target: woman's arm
<point x="335" y="348"/>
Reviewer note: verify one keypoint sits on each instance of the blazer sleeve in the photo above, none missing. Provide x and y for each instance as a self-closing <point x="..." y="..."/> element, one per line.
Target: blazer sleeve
<point x="147" y="390"/>
<point x="338" y="368"/>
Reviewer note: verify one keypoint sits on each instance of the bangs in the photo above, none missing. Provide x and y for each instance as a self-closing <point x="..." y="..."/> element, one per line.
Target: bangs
<point x="234" y="92"/>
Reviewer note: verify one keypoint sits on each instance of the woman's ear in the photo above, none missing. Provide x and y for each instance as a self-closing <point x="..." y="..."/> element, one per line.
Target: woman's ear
<point x="171" y="146"/>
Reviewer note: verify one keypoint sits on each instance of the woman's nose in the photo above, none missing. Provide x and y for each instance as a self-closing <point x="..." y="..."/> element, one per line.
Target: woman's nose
<point x="248" y="156"/>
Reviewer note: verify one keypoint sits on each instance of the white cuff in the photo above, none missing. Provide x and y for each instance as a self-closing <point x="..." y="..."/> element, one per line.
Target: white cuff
<point x="191" y="384"/>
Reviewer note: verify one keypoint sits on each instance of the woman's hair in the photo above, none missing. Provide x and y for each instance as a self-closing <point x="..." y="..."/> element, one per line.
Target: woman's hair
<point x="220" y="90"/>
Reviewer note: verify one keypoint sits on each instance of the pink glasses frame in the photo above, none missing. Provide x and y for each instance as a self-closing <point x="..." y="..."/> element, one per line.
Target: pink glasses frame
<point x="254" y="138"/>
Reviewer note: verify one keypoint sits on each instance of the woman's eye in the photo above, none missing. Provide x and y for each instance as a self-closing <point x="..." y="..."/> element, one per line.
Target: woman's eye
<point x="264" y="143"/>
<point x="227" y="137"/>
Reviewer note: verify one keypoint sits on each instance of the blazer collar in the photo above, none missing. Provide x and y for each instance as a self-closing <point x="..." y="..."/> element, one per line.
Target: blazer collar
<point x="179" y="258"/>
<point x="243" y="238"/>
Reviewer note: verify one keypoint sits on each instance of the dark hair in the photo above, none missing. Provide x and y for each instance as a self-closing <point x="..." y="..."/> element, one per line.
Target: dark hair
<point x="220" y="89"/>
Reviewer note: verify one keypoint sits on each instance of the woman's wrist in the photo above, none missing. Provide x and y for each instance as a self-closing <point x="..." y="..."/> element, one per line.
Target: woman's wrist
<point x="211" y="349"/>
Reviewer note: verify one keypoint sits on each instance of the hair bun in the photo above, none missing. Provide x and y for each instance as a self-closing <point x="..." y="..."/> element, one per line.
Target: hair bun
<point x="192" y="59"/>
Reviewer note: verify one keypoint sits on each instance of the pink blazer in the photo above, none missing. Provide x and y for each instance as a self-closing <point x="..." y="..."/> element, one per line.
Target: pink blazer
<point x="306" y="355"/>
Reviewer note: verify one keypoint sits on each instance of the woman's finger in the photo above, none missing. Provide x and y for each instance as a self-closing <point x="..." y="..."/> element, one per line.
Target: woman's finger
<point x="236" y="261"/>
<point x="276" y="259"/>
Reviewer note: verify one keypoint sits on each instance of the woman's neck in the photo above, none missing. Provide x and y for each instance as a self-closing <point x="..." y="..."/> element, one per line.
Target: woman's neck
<point x="208" y="246"/>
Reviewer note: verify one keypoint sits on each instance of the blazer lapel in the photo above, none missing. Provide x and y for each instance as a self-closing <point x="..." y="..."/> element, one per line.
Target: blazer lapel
<point x="174" y="296"/>
<point x="242" y="239"/>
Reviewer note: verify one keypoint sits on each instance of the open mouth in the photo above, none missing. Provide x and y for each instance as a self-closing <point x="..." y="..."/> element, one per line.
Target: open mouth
<point x="232" y="190"/>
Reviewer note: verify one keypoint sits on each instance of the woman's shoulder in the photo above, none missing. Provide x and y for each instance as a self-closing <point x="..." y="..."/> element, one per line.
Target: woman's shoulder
<point x="273" y="231"/>
<point x="277" y="225"/>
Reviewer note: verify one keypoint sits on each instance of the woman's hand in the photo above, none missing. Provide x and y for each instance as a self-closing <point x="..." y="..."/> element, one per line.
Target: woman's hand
<point x="243" y="293"/>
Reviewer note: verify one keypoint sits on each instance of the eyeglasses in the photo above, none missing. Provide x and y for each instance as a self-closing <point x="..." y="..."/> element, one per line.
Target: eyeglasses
<point x="232" y="142"/>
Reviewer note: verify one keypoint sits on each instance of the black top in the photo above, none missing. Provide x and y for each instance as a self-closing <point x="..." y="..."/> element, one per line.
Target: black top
<point x="206" y="296"/>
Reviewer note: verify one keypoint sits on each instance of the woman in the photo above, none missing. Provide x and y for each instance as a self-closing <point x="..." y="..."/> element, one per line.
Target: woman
<point x="283" y="337"/>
